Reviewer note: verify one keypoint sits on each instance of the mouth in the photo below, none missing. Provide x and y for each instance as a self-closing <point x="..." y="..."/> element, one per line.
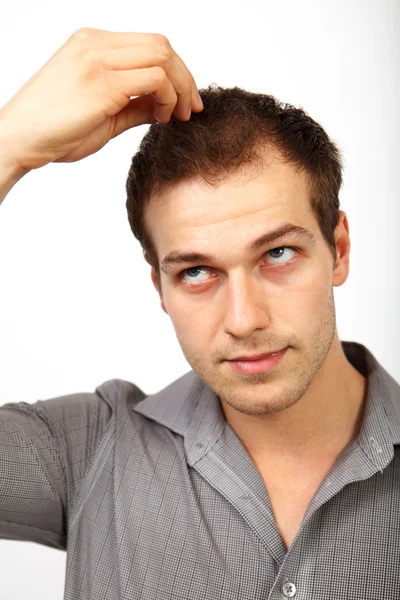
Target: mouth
<point x="256" y="356"/>
<point x="258" y="362"/>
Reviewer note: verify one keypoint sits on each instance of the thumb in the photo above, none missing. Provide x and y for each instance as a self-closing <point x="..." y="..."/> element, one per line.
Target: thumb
<point x="138" y="111"/>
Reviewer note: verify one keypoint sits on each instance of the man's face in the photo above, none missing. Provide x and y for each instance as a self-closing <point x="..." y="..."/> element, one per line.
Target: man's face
<point x="246" y="302"/>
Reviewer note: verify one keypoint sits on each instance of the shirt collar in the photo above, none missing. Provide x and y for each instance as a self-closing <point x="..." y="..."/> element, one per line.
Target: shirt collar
<point x="191" y="409"/>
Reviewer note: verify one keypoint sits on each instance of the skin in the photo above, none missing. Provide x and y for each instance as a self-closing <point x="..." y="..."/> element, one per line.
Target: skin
<point x="308" y="408"/>
<point x="293" y="420"/>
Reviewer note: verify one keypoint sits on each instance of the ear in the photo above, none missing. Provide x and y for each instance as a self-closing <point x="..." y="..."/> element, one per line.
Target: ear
<point x="155" y="283"/>
<point x="342" y="239"/>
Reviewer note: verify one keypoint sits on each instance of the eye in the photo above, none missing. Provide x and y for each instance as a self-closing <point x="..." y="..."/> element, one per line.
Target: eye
<point x="277" y="253"/>
<point x="191" y="275"/>
<point x="192" y="271"/>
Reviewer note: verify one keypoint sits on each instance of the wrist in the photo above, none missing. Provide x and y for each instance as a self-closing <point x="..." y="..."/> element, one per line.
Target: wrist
<point x="10" y="160"/>
<point x="10" y="173"/>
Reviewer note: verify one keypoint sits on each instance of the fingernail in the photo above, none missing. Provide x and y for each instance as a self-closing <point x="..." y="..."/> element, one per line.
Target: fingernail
<point x="190" y="113"/>
<point x="200" y="100"/>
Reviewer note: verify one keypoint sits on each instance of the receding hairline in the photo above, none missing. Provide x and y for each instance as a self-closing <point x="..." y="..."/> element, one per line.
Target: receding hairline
<point x="264" y="154"/>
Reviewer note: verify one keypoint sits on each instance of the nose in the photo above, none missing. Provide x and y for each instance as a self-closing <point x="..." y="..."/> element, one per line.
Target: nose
<point x="246" y="307"/>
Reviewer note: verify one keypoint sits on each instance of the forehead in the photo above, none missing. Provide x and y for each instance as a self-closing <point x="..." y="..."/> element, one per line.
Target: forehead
<point x="196" y="215"/>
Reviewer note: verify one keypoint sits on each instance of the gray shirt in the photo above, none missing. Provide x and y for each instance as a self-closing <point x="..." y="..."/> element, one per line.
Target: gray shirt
<point x="154" y="497"/>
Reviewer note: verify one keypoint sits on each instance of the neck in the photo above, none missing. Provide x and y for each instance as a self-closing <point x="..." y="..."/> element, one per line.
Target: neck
<point x="319" y="426"/>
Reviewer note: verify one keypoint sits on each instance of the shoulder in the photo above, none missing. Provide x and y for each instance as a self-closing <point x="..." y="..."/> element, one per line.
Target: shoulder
<point x="117" y="393"/>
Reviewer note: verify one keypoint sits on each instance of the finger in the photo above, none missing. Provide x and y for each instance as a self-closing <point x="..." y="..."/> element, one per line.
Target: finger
<point x="196" y="101"/>
<point x="152" y="80"/>
<point x="101" y="38"/>
<point x="139" y="111"/>
<point x="148" y="55"/>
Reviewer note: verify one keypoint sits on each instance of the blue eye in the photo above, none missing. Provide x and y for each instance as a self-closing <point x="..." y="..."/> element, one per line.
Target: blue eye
<point x="189" y="272"/>
<point x="275" y="253"/>
<point x="280" y="251"/>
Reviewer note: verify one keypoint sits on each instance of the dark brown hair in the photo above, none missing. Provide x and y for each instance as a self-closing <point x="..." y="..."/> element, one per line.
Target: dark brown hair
<point x="231" y="132"/>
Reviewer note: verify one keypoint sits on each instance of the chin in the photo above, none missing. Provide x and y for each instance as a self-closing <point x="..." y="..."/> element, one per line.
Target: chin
<point x="267" y="402"/>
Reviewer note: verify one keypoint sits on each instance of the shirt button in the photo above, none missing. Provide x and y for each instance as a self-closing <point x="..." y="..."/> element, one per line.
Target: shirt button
<point x="289" y="589"/>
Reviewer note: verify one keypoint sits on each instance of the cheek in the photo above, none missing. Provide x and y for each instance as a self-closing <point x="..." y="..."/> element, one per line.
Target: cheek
<point x="311" y="295"/>
<point x="190" y="321"/>
<point x="301" y="295"/>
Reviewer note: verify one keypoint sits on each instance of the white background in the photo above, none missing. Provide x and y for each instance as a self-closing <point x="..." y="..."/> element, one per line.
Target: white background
<point x="77" y="303"/>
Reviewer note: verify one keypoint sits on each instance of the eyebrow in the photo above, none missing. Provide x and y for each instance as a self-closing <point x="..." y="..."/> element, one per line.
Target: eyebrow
<point x="176" y="258"/>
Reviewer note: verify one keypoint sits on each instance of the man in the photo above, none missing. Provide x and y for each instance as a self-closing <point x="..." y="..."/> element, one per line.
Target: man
<point x="270" y="470"/>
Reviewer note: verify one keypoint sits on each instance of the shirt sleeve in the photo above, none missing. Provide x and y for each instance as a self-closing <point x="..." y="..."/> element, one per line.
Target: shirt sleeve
<point x="45" y="451"/>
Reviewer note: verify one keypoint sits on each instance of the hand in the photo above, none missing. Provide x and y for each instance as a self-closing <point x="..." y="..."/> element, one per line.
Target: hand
<point x="81" y="98"/>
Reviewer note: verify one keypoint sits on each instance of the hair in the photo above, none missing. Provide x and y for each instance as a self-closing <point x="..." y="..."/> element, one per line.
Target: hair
<point x="233" y="131"/>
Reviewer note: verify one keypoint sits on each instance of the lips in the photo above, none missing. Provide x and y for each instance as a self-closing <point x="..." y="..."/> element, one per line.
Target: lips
<point x="256" y="356"/>
<point x="253" y="364"/>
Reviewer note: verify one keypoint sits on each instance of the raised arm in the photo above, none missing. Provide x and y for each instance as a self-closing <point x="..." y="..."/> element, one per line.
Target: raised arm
<point x="97" y="85"/>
